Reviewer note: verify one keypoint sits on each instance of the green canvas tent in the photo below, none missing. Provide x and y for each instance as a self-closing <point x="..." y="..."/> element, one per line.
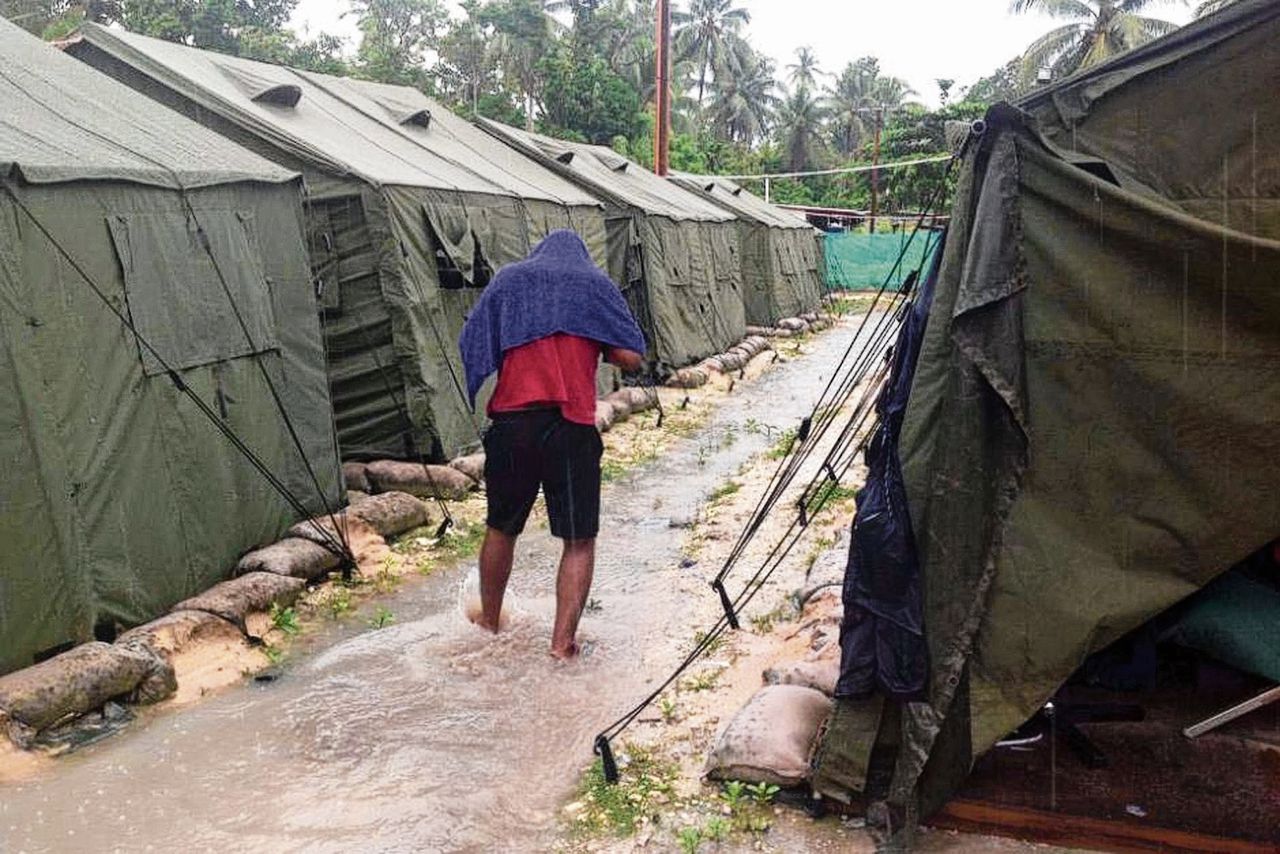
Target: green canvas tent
<point x="782" y="266"/>
<point x="677" y="257"/>
<point x="410" y="210"/>
<point x="1091" y="434"/>
<point x="118" y="496"/>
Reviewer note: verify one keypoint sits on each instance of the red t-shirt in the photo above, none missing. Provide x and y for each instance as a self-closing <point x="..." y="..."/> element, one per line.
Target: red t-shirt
<point x="558" y="371"/>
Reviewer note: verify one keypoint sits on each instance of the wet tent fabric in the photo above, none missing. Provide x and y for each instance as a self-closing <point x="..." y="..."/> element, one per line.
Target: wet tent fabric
<point x="1090" y="436"/>
<point x="410" y="210"/>
<point x="118" y="497"/>
<point x="781" y="253"/>
<point x="677" y="257"/>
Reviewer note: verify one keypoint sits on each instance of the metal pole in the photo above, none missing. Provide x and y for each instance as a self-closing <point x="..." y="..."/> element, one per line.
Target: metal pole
<point x="767" y="195"/>
<point x="662" y="64"/>
<point x="875" y="172"/>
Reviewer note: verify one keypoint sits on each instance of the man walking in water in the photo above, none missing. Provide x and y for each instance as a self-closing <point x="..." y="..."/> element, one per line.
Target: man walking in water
<point x="542" y="324"/>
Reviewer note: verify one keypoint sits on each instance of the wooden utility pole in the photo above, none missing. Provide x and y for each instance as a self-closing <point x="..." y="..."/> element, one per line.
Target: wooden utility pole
<point x="662" y="64"/>
<point x="875" y="173"/>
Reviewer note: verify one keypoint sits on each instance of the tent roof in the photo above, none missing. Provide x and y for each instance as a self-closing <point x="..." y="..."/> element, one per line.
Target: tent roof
<point x="310" y="117"/>
<point x="614" y="176"/>
<point x="63" y="121"/>
<point x="733" y="197"/>
<point x="437" y="128"/>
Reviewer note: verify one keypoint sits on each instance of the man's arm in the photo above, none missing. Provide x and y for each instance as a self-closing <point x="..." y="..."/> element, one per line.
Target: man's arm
<point x="628" y="360"/>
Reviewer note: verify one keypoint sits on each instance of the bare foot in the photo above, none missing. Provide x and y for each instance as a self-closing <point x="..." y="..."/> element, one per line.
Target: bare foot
<point x="565" y="654"/>
<point x="480" y="622"/>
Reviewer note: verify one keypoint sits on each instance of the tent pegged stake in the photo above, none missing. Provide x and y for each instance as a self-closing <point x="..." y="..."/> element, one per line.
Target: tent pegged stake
<point x="445" y="525"/>
<point x="607" y="762"/>
<point x="729" y="613"/>
<point x="806" y="427"/>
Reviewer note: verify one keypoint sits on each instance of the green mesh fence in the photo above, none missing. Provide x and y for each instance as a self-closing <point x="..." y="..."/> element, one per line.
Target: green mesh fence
<point x="860" y="262"/>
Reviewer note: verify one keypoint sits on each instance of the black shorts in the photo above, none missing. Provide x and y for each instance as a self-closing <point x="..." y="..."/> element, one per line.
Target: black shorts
<point x="525" y="451"/>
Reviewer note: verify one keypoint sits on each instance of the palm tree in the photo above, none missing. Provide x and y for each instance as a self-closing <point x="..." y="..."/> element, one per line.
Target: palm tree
<point x="860" y="97"/>
<point x="1099" y="30"/>
<point x="800" y="125"/>
<point x="1208" y="7"/>
<point x="709" y="34"/>
<point x="805" y="71"/>
<point x="743" y="104"/>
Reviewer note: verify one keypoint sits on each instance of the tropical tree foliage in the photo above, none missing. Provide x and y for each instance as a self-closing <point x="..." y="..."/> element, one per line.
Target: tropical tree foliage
<point x="1096" y="31"/>
<point x="584" y="69"/>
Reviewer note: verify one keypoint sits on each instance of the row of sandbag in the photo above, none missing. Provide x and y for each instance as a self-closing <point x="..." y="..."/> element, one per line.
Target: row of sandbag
<point x="138" y="667"/>
<point x="735" y="359"/>
<point x="773" y="738"/>
<point x="452" y="482"/>
<point x="790" y="327"/>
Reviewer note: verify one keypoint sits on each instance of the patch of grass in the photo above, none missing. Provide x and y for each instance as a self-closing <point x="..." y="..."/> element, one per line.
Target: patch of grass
<point x="274" y="654"/>
<point x="724" y="490"/>
<point x="461" y="542"/>
<point x="285" y="619"/>
<point x="618" y="809"/>
<point x="386" y="580"/>
<point x="763" y="624"/>
<point x="714" y="646"/>
<point x="819" y="546"/>
<point x="339" y="602"/>
<point x="382" y="618"/>
<point x="828" y="495"/>
<point x="782" y="447"/>
<point x="611" y="470"/>
<point x="704" y="681"/>
<point x="689" y="838"/>
<point x="667" y="707"/>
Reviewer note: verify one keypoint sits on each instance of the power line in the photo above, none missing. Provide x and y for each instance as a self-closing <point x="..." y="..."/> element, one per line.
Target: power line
<point x="848" y="170"/>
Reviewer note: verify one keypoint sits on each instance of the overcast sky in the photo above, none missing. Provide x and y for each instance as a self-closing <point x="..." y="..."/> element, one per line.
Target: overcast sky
<point x="919" y="40"/>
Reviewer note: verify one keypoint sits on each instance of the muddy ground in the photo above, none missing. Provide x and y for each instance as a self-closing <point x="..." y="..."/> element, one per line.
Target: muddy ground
<point x="378" y="718"/>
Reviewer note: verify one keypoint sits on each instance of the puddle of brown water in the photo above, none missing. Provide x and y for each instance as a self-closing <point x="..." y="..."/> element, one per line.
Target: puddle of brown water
<point x="430" y="734"/>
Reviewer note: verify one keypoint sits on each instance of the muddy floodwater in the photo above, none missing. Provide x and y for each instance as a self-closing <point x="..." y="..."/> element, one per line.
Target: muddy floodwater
<point x="428" y="734"/>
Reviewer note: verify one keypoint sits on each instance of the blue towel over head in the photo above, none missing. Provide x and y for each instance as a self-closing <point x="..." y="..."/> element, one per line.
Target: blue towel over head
<point x="557" y="289"/>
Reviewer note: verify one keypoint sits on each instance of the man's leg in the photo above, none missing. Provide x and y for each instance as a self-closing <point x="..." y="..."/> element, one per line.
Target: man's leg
<point x="496" y="557"/>
<point x="573" y="585"/>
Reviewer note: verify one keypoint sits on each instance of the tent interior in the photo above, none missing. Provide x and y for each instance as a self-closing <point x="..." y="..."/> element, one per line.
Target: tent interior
<point x="781" y="253"/>
<point x="155" y="285"/>
<point x="410" y="210"/>
<point x="1089" y="463"/>
<point x="677" y="257"/>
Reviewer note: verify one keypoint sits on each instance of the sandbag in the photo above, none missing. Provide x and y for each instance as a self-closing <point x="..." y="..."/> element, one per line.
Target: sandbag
<point x="78" y="681"/>
<point x="604" y="416"/>
<point x="819" y="670"/>
<point x="688" y="378"/>
<point x="713" y="364"/>
<point x="621" y="405"/>
<point x="793" y="324"/>
<point x="416" y="479"/>
<point x="354" y="495"/>
<point x="771" y="740"/>
<point x="353" y="476"/>
<point x="235" y="599"/>
<point x="639" y="399"/>
<point x="175" y="632"/>
<point x="758" y="330"/>
<point x="471" y="465"/>
<point x="391" y="513"/>
<point x="295" y="556"/>
<point x="731" y="362"/>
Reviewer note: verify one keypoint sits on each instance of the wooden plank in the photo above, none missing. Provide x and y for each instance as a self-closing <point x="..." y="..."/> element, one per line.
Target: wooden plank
<point x="1081" y="832"/>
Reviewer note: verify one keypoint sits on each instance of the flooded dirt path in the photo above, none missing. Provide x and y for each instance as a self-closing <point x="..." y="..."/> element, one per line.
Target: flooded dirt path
<point x="427" y="735"/>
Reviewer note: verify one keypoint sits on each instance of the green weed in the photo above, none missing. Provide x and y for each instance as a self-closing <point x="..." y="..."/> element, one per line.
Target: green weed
<point x="667" y="707"/>
<point x="720" y="493"/>
<point x="382" y="618"/>
<point x="274" y="654"/>
<point x="734" y="793"/>
<point x="717" y="829"/>
<point x="611" y="470"/>
<point x="285" y="619"/>
<point x="713" y="646"/>
<point x="782" y="447"/>
<point x="340" y="602"/>
<point x="619" y="808"/>
<point x="704" y="681"/>
<point x="829" y="495"/>
<point x="689" y="838"/>
<point x="763" y="793"/>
